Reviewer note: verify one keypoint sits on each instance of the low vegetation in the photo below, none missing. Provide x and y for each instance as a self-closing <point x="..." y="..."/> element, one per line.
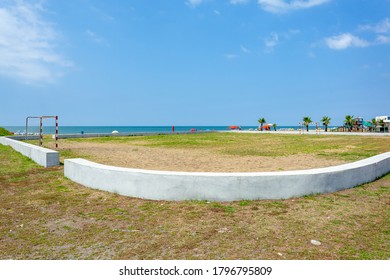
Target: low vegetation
<point x="46" y="216"/>
<point x="348" y="148"/>
<point x="4" y="132"/>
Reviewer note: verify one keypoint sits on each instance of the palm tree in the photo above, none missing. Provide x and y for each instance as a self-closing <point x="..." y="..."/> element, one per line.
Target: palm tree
<point x="382" y="124"/>
<point x="374" y="123"/>
<point x="348" y="122"/>
<point x="261" y="122"/>
<point x="274" y="126"/>
<point x="306" y="122"/>
<point x="326" y="121"/>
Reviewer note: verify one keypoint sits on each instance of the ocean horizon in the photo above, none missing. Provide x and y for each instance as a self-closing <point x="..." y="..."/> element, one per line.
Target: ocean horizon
<point x="129" y="129"/>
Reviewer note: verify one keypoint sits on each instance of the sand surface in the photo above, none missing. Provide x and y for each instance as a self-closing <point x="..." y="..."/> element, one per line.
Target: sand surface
<point x="191" y="160"/>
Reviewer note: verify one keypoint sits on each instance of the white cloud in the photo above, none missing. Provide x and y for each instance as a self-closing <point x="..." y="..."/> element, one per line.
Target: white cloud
<point x="234" y="2"/>
<point x="283" y="6"/>
<point x="231" y="56"/>
<point x="194" y="3"/>
<point x="344" y="41"/>
<point x="381" y="27"/>
<point x="291" y="33"/>
<point x="381" y="30"/>
<point x="275" y="39"/>
<point x="271" y="42"/>
<point x="27" y="44"/>
<point x="96" y="38"/>
<point x="382" y="39"/>
<point x="245" y="50"/>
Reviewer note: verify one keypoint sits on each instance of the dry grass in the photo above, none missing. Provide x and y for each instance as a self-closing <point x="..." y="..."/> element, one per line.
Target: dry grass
<point x="46" y="216"/>
<point x="224" y="152"/>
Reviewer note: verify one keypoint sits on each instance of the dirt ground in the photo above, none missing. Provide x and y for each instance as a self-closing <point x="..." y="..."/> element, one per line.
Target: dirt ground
<point x="191" y="160"/>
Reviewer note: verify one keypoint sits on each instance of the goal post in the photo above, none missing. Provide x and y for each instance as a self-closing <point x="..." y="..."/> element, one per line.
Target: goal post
<point x="41" y="127"/>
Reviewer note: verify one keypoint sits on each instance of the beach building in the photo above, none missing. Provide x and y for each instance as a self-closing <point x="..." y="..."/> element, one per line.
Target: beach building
<point x="385" y="119"/>
<point x="383" y="123"/>
<point x="360" y="125"/>
<point x="357" y="124"/>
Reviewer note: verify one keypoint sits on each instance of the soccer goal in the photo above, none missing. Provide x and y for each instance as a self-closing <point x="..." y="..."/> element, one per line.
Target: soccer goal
<point x="41" y="127"/>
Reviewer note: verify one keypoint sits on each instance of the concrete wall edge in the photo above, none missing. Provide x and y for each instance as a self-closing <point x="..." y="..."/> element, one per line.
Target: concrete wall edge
<point x="171" y="185"/>
<point x="43" y="156"/>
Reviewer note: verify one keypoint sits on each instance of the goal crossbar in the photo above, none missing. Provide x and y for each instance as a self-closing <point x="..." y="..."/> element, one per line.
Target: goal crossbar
<point x="41" y="126"/>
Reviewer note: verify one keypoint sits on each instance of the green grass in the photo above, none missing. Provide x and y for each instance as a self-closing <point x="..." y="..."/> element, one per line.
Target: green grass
<point x="348" y="148"/>
<point x="4" y="132"/>
<point x="14" y="163"/>
<point x="46" y="216"/>
<point x="229" y="209"/>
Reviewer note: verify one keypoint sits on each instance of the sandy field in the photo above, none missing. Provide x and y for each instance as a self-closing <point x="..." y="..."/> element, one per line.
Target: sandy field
<point x="191" y="160"/>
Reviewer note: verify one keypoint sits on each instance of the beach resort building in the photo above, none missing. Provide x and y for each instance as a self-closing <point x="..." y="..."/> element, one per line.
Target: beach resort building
<point x="383" y="123"/>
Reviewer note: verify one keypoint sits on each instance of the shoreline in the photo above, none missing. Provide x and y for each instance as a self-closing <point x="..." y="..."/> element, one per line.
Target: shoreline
<point x="150" y="133"/>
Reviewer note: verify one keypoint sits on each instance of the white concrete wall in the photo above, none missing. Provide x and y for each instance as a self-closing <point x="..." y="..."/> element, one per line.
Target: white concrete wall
<point x="42" y="156"/>
<point x="165" y="185"/>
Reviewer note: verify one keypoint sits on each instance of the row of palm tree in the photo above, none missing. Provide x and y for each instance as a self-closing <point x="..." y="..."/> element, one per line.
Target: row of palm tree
<point x="262" y="121"/>
<point x="306" y="122"/>
<point x="348" y="122"/>
<point x="325" y="121"/>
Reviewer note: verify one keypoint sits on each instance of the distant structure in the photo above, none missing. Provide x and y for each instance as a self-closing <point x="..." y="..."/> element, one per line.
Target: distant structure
<point x="383" y="123"/>
<point x="360" y="125"/>
<point x="357" y="124"/>
<point x="385" y="119"/>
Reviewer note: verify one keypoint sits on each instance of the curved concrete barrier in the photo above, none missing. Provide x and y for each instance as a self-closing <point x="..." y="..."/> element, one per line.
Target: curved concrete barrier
<point x="166" y="185"/>
<point x="42" y="156"/>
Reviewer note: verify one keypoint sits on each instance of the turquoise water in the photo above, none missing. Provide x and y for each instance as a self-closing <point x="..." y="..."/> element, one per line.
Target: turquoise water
<point x="124" y="129"/>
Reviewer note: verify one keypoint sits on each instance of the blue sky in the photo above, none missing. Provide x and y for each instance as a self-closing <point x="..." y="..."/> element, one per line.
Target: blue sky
<point x="194" y="62"/>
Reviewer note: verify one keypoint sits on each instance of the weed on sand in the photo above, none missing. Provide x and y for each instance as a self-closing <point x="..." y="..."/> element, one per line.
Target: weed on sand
<point x="46" y="216"/>
<point x="240" y="144"/>
<point x="224" y="152"/>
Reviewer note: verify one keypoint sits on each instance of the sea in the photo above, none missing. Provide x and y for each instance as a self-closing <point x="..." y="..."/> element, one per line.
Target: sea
<point x="127" y="129"/>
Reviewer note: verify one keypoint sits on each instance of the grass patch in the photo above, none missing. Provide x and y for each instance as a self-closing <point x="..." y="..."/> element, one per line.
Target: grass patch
<point x="4" y="132"/>
<point x="244" y="203"/>
<point x="218" y="207"/>
<point x="63" y="189"/>
<point x="13" y="163"/>
<point x="347" y="148"/>
<point x="222" y="152"/>
<point x="46" y="216"/>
